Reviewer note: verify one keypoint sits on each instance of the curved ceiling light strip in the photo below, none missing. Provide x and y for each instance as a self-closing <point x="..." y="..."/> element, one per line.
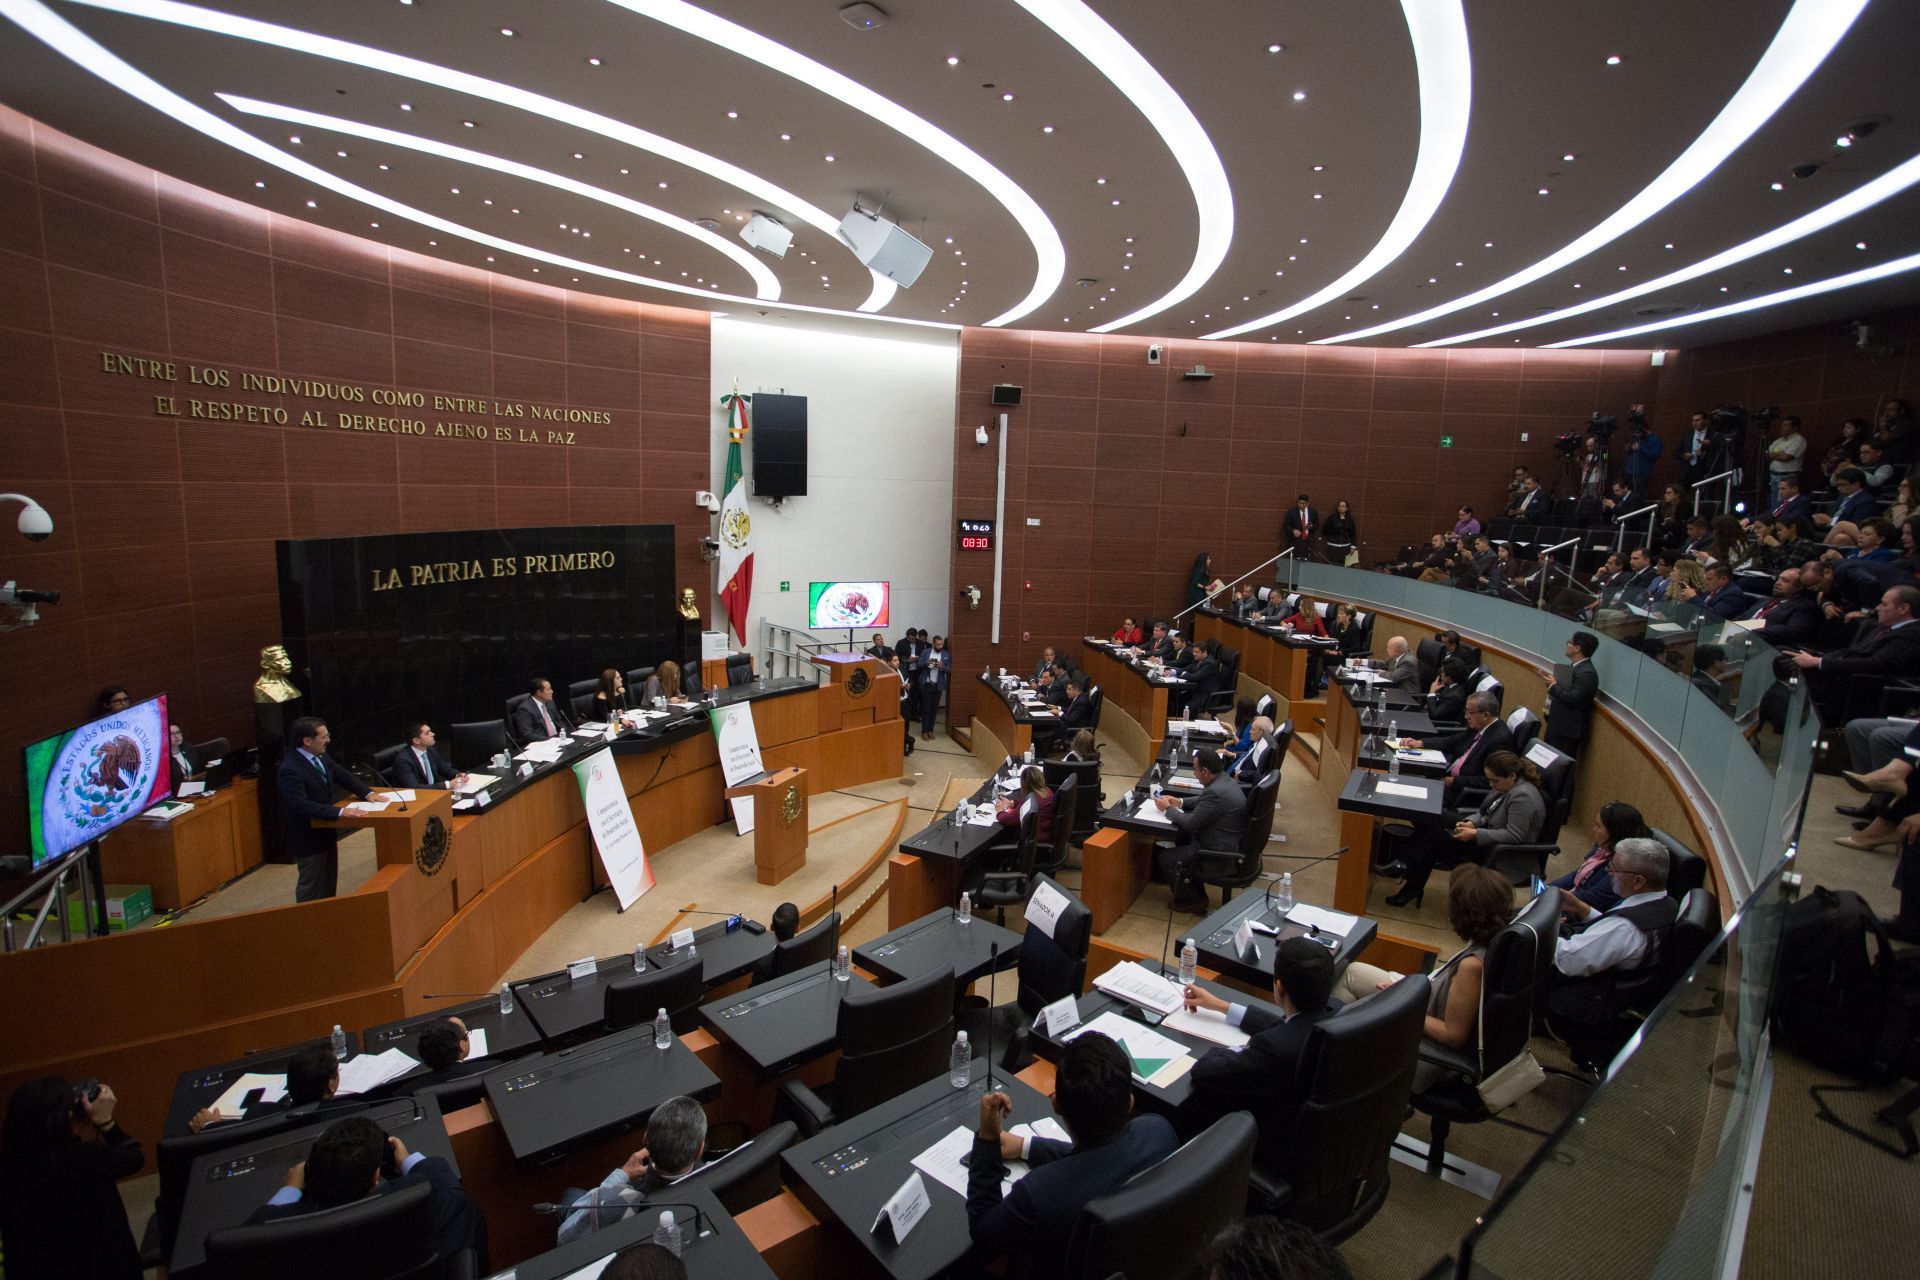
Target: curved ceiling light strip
<point x="766" y="284"/>
<point x="1866" y="275"/>
<point x="306" y="42"/>
<point x="1887" y="185"/>
<point x="39" y="21"/>
<point x="1811" y="30"/>
<point x="1089" y="35"/>
<point x="1445" y="68"/>
<point x="1051" y="254"/>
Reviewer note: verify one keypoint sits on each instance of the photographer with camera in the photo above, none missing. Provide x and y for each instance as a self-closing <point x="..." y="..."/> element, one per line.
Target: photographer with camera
<point x="61" y="1156"/>
<point x="1643" y="450"/>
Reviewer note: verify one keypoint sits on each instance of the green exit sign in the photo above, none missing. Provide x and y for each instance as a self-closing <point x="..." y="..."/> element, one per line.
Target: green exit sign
<point x="785" y="585"/>
<point x="1446" y="442"/>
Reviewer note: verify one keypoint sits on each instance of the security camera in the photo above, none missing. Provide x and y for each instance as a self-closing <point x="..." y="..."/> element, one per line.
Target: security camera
<point x="972" y="593"/>
<point x="979" y="435"/>
<point x="12" y="595"/>
<point x="35" y="524"/>
<point x="702" y="498"/>
<point x="1153" y="354"/>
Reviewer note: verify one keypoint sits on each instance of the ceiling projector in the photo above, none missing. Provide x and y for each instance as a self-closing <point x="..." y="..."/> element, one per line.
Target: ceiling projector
<point x="762" y="232"/>
<point x="884" y="247"/>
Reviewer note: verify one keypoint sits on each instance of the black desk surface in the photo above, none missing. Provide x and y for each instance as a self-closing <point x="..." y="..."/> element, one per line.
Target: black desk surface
<point x="846" y="1173"/>
<point x="937" y="940"/>
<point x="723" y="1253"/>
<point x="1412" y="724"/>
<point x="725" y="955"/>
<point x="1213" y="938"/>
<point x="226" y="1186"/>
<point x="561" y="1007"/>
<point x="609" y="1085"/>
<point x="1372" y="759"/>
<point x="1044" y="716"/>
<point x="783" y="1023"/>
<point x="1164" y="676"/>
<point x="1176" y="1095"/>
<point x="954" y="841"/>
<point x="1362" y="795"/>
<point x="1368" y="691"/>
<point x="508" y="1035"/>
<point x="198" y="1088"/>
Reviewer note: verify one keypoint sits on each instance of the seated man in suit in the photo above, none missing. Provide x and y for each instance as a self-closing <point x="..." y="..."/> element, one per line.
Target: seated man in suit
<point x="1256" y="760"/>
<point x="1203" y="673"/>
<point x="1723" y="598"/>
<point x="1793" y="505"/>
<point x="354" y="1158"/>
<point x="1467" y="749"/>
<point x="1598" y="949"/>
<point x="1890" y="649"/>
<point x="443" y="1048"/>
<point x="307" y="779"/>
<point x="676" y="1141"/>
<point x="540" y="717"/>
<point x="1403" y="669"/>
<point x="1048" y="659"/>
<point x="421" y="766"/>
<point x="1160" y="644"/>
<point x="1212" y="822"/>
<point x="1261" y="1075"/>
<point x="1093" y="1096"/>
<point x="1079" y="709"/>
<point x="1447" y="704"/>
<point x="1790" y="618"/>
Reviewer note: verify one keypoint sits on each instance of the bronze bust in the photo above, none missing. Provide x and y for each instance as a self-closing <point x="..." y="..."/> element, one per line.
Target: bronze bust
<point x="273" y="685"/>
<point x="689" y="607"/>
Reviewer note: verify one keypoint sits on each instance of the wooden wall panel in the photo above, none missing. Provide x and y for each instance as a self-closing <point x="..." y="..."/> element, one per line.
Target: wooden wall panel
<point x="181" y="599"/>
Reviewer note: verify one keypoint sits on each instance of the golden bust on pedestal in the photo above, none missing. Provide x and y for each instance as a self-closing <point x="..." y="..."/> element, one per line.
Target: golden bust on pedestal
<point x="273" y="685"/>
<point x="689" y="607"/>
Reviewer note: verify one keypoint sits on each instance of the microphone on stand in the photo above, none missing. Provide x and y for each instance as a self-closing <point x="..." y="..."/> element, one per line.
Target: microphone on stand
<point x="834" y="910"/>
<point x="461" y="995"/>
<point x="1325" y="857"/>
<point x="993" y="971"/>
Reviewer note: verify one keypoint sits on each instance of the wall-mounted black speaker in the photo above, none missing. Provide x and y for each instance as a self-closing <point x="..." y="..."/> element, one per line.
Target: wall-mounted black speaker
<point x="1006" y="393"/>
<point x="779" y="438"/>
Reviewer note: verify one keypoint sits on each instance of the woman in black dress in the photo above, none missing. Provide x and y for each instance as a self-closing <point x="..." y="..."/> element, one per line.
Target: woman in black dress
<point x="611" y="699"/>
<point x="1338" y="533"/>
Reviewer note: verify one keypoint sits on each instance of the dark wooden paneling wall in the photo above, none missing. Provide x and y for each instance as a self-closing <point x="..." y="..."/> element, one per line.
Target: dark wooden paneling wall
<point x="165" y="527"/>
<point x="1132" y="470"/>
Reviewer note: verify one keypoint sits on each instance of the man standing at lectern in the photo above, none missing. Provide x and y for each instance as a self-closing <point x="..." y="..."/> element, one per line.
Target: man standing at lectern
<point x="308" y="777"/>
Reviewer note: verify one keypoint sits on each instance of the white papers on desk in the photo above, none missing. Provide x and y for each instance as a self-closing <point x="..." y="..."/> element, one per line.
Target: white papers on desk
<point x="1150" y="812"/>
<point x="1155" y="1059"/>
<point x="1665" y="628"/>
<point x="190" y="789"/>
<point x="1185" y="782"/>
<point x="1308" y="916"/>
<point x="404" y="797"/>
<point x="1195" y="726"/>
<point x="1136" y="984"/>
<point x="167" y="811"/>
<point x="1401" y="789"/>
<point x="366" y="806"/>
<point x="941" y="1162"/>
<point x="272" y="1089"/>
<point x="1362" y="676"/>
<point x="1208" y="1024"/>
<point x="476" y="782"/>
<point x="1425" y="755"/>
<point x="366" y="1072"/>
<point x="593" y="1270"/>
<point x="982" y="817"/>
<point x="543" y="752"/>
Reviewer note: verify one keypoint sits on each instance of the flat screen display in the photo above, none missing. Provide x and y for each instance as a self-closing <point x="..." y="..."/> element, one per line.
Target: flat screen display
<point x="83" y="783"/>
<point x="846" y="604"/>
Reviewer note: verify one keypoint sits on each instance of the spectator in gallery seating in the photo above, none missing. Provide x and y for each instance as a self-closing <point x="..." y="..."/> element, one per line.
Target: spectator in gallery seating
<point x="1267" y="1248"/>
<point x="1855" y="503"/>
<point x="1031" y="1224"/>
<point x="1340" y="534"/>
<point x="1877" y="472"/>
<point x="1786" y="453"/>
<point x="445" y="1050"/>
<point x="1792" y="504"/>
<point x="1902" y="508"/>
<point x="354" y="1158"/>
<point x="1790" y="617"/>
<point x="1531" y="502"/>
<point x="62" y="1155"/>
<point x="420" y="765"/>
<point x="610" y="699"/>
<point x="1466" y="527"/>
<point x="540" y="717"/>
<point x="1128" y="633"/>
<point x="676" y="1142"/>
<point x="1698" y="542"/>
<point x="663" y="683"/>
<point x="112" y="698"/>
<point x="1723" y="598"/>
<point x="1616" y="821"/>
<point x="1893" y="429"/>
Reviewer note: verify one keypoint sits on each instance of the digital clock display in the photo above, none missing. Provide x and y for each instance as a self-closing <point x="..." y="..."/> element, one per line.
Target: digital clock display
<point x="976" y="535"/>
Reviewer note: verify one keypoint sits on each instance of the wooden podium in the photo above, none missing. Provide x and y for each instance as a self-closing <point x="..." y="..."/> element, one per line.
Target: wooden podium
<point x="779" y="823"/>
<point x="418" y="869"/>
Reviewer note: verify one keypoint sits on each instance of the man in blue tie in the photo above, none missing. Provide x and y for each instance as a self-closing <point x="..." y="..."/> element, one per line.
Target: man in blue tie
<point x="307" y="780"/>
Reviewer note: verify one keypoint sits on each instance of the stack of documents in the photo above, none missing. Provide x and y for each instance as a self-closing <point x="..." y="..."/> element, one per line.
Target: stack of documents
<point x="476" y="782"/>
<point x="1208" y="1024"/>
<point x="1155" y="1059"/>
<point x="545" y="752"/>
<point x="1150" y="812"/>
<point x="1136" y="984"/>
<point x="366" y="1072"/>
<point x="272" y="1089"/>
<point x="941" y="1161"/>
<point x="1308" y="916"/>
<point x="1195" y="726"/>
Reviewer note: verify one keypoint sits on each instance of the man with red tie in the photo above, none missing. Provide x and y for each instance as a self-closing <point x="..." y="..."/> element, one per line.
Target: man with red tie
<point x="1298" y="528"/>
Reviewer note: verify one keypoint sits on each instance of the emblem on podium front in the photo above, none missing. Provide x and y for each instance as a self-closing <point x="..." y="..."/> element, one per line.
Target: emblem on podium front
<point x="435" y="841"/>
<point x="791" y="804"/>
<point x="859" y="682"/>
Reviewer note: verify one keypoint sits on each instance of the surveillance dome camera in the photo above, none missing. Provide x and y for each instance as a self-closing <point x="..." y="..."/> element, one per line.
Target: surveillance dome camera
<point x="1804" y="171"/>
<point x="35" y="524"/>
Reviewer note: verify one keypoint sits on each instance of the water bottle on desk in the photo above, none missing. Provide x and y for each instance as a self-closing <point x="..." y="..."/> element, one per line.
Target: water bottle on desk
<point x="1393" y="751"/>
<point x="966" y="908"/>
<point x="1189" y="961"/>
<point x="339" y="1044"/>
<point x="667" y="1235"/>
<point x="1285" y="897"/>
<point x="662" y="1030"/>
<point x="842" y="965"/>
<point x="962" y="1064"/>
<point x="506" y="998"/>
<point x="639" y="957"/>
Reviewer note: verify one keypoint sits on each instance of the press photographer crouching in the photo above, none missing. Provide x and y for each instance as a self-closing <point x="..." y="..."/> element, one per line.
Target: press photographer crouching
<point x="60" y="1157"/>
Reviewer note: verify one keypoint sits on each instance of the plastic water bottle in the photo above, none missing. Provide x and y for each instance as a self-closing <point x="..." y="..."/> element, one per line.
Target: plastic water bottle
<point x="339" y="1044"/>
<point x="639" y="957"/>
<point x="842" y="965"/>
<point x="1189" y="961"/>
<point x="693" y="951"/>
<point x="966" y="908"/>
<point x="962" y="1066"/>
<point x="1285" y="897"/>
<point x="667" y="1235"/>
<point x="506" y="997"/>
<point x="662" y="1030"/>
<point x="1393" y="752"/>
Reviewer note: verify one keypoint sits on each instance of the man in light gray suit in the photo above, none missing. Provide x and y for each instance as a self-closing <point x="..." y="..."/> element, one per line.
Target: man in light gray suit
<point x="1212" y="822"/>
<point x="1403" y="670"/>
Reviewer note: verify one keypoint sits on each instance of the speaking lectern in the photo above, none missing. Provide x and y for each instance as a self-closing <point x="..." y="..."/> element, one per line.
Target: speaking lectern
<point x="779" y="822"/>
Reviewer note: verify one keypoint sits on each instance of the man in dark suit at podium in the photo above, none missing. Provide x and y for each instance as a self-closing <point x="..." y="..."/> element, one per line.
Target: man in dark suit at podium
<point x="420" y="765"/>
<point x="539" y="717"/>
<point x="308" y="778"/>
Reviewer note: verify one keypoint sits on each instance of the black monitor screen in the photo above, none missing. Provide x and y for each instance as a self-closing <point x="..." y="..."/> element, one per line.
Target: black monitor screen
<point x="779" y="446"/>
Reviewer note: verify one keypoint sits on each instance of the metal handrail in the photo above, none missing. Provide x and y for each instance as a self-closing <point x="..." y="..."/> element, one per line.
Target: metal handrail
<point x="1231" y="585"/>
<point x="1547" y="566"/>
<point x="1620" y="523"/>
<point x="777" y="642"/>
<point x="1730" y="475"/>
<point x="52" y="888"/>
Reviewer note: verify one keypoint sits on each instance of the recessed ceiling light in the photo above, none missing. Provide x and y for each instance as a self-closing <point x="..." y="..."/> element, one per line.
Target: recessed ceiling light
<point x="1129" y="239"/>
<point x="262" y="184"/>
<point x="786" y="137"/>
<point x="1006" y="97"/>
<point x="1487" y="245"/>
<point x="1723" y="288"/>
<point x="1544" y="190"/>
<point x="374" y="225"/>
<point x="1844" y="140"/>
<point x="1319" y="168"/>
<point x="1776" y="186"/>
<point x="467" y="124"/>
<point x="455" y="190"/>
<point x="1433" y="280"/>
<point x="626" y="171"/>
<point x="1299" y="95"/>
<point x="487" y="201"/>
<point x="1575" y="286"/>
<point x="953" y="59"/>
<point x="294" y="139"/>
<point x="1623" y="268"/>
<point x="1569" y="157"/>
<point x="313" y="204"/>
<point x="579" y="156"/>
<point x="1046" y="128"/>
<point x="406" y="106"/>
<point x="1101" y="181"/>
<point x="733" y="115"/>
<point x="1303" y="239"/>
<point x="1318" y="196"/>
<point x="1669" y="246"/>
<point x="1459" y="264"/>
<point x="1786" y="271"/>
<point x="1861" y="245"/>
<point x="506" y="31"/>
<point x="593" y="62"/>
<point x="341" y="154"/>
<point x="829" y="159"/>
<point x="1276" y="48"/>
<point x="949" y="239"/>
<point x="385" y="166"/>
<point x="1613" y="59"/>
<point x="663" y="186"/>
<point x="1113" y="202"/>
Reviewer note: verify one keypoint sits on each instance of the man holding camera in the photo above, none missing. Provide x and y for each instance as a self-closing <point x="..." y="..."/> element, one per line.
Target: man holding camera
<point x="1643" y="450"/>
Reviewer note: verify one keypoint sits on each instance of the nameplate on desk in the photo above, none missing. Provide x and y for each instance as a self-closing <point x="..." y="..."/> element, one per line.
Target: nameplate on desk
<point x="583" y="969"/>
<point x="1243" y="945"/>
<point x="904" y="1208"/>
<point x="1060" y="1017"/>
<point x="680" y="938"/>
<point x="191" y="789"/>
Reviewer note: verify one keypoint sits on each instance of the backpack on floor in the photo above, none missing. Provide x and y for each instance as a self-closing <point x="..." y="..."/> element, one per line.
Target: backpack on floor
<point x="1834" y="1003"/>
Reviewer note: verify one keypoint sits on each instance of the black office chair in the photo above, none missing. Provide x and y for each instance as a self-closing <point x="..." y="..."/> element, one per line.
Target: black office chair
<point x="1521" y="862"/>
<point x="1686" y="870"/>
<point x="1328" y="1171"/>
<point x="583" y="705"/>
<point x="514" y="704"/>
<point x="638" y="998"/>
<point x="891" y="1039"/>
<point x="1066" y="800"/>
<point x="450" y="1095"/>
<point x="1282" y="739"/>
<point x="1009" y="885"/>
<point x="739" y="669"/>
<point x="1084" y="818"/>
<point x="173" y="1160"/>
<point x="583" y="687"/>
<point x="1516" y="962"/>
<point x="202" y="754"/>
<point x="1594" y="1042"/>
<point x="1490" y="683"/>
<point x="1231" y="874"/>
<point x="379" y="1237"/>
<point x="810" y="946"/>
<point x="1099" y="700"/>
<point x="1226" y="693"/>
<point x="1428" y="655"/>
<point x="477" y="742"/>
<point x="750" y="1173"/>
<point x="637" y="678"/>
<point x="1525" y="727"/>
<point x="1264" y="705"/>
<point x="1164" y="1217"/>
<point x="383" y="763"/>
<point x="1050" y="969"/>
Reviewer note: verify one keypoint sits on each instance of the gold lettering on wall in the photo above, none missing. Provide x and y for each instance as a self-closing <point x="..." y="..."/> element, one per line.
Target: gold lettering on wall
<point x="218" y="378"/>
<point x="440" y="572"/>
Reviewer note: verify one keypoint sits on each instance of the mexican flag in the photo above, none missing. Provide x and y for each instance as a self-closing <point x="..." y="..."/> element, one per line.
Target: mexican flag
<point x="736" y="557"/>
